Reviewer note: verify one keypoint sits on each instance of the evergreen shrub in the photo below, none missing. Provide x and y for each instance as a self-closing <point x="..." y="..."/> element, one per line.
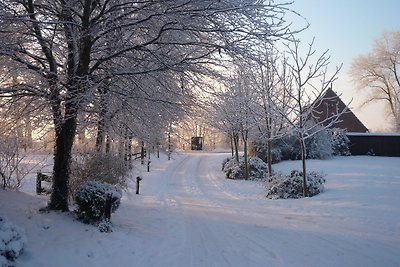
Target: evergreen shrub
<point x="235" y="170"/>
<point x="91" y="201"/>
<point x="322" y="145"/>
<point x="291" y="186"/>
<point x="340" y="143"/>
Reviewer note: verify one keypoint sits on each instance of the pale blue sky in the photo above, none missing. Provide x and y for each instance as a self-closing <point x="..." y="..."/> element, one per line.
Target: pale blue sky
<point x="348" y="29"/>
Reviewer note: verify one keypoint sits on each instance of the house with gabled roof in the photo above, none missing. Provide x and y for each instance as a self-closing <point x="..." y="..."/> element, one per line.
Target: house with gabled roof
<point x="332" y="105"/>
<point x="361" y="141"/>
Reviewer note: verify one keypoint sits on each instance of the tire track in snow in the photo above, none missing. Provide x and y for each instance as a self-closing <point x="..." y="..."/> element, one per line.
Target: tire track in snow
<point x="198" y="215"/>
<point x="205" y="235"/>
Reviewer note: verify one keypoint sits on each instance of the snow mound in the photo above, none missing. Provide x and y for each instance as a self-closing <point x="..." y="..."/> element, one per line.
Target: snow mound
<point x="12" y="242"/>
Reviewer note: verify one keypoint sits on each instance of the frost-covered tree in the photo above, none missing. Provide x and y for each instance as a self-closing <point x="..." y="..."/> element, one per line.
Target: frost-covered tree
<point x="270" y="99"/>
<point x="379" y="73"/>
<point x="310" y="80"/>
<point x="144" y="112"/>
<point x="244" y="95"/>
<point x="226" y="118"/>
<point x="68" y="51"/>
<point x="233" y="111"/>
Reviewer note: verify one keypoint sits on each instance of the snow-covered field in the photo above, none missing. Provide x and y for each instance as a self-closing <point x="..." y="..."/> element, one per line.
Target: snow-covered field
<point x="188" y="214"/>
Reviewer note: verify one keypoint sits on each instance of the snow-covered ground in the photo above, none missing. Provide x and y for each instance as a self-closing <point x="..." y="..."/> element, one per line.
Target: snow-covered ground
<point x="188" y="214"/>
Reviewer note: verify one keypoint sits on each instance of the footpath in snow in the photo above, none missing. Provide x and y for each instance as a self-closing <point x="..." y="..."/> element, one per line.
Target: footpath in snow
<point x="188" y="214"/>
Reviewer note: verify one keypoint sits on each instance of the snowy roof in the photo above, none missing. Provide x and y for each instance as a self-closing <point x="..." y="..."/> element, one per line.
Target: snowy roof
<point x="374" y="134"/>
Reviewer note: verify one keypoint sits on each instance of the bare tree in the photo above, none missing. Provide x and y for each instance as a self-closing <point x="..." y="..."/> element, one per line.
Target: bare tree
<point x="269" y="96"/>
<point x="244" y="95"/>
<point x="225" y="112"/>
<point x="379" y="73"/>
<point x="309" y="82"/>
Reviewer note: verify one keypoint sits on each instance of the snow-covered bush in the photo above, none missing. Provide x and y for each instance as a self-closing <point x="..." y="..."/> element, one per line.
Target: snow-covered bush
<point x="285" y="148"/>
<point x="105" y="226"/>
<point x="257" y="168"/>
<point x="232" y="168"/>
<point x="224" y="162"/>
<point x="319" y="146"/>
<point x="340" y="143"/>
<point x="91" y="201"/>
<point x="235" y="170"/>
<point x="260" y="149"/>
<point x="289" y="147"/>
<point x="12" y="242"/>
<point x="291" y="186"/>
<point x="100" y="167"/>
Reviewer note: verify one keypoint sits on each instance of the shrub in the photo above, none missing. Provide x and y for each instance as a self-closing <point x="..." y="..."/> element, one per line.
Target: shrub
<point x="232" y="168"/>
<point x="12" y="169"/>
<point x="291" y="186"/>
<point x="340" y="143"/>
<point x="235" y="170"/>
<point x="12" y="241"/>
<point x="91" y="201"/>
<point x="257" y="168"/>
<point x="105" y="226"/>
<point x="260" y="149"/>
<point x="100" y="167"/>
<point x="285" y="148"/>
<point x="321" y="145"/>
<point x="224" y="162"/>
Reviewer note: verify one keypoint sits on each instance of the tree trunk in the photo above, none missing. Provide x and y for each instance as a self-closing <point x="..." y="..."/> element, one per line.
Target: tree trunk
<point x="269" y="157"/>
<point x="62" y="158"/>
<point x="101" y="123"/>
<point x="303" y="160"/>
<point x="169" y="144"/>
<point x="142" y="153"/>
<point x="232" y="149"/>
<point x="108" y="144"/>
<point x="100" y="135"/>
<point x="126" y="147"/>
<point x="236" y="145"/>
<point x="246" y="161"/>
<point x="130" y="151"/>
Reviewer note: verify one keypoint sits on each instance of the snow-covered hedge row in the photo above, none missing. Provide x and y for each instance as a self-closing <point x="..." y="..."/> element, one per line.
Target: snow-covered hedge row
<point x="91" y="201"/>
<point x="235" y="170"/>
<point x="291" y="186"/>
<point x="12" y="242"/>
<point x="323" y="145"/>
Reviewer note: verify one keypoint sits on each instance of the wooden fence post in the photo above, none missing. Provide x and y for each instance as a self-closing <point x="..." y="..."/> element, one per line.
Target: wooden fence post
<point x="138" y="179"/>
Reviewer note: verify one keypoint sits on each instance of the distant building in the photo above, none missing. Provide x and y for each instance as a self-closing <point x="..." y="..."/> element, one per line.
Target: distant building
<point x="196" y="143"/>
<point x="375" y="144"/>
<point x="331" y="105"/>
<point x="361" y="141"/>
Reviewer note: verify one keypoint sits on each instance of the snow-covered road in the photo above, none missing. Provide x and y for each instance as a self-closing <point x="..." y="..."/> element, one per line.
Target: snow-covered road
<point x="189" y="215"/>
<point x="205" y="220"/>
